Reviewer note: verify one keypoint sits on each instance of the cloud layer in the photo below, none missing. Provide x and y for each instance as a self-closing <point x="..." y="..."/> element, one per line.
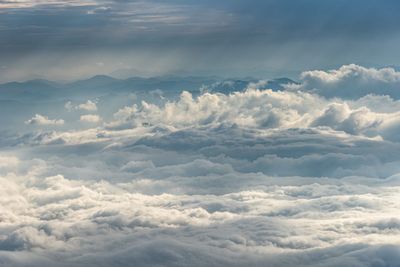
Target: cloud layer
<point x="258" y="176"/>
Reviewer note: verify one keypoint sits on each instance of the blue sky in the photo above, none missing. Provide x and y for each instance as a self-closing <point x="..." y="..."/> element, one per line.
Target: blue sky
<point x="68" y="39"/>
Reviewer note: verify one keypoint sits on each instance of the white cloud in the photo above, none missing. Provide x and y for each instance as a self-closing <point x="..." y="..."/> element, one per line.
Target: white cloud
<point x="51" y="216"/>
<point x="88" y="106"/>
<point x="353" y="71"/>
<point x="90" y="118"/>
<point x="257" y="108"/>
<point x="265" y="109"/>
<point x="351" y="81"/>
<point x="258" y="177"/>
<point x="43" y="120"/>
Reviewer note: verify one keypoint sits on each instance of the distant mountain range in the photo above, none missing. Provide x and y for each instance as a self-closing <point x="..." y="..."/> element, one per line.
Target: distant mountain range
<point x="43" y="90"/>
<point x="20" y="101"/>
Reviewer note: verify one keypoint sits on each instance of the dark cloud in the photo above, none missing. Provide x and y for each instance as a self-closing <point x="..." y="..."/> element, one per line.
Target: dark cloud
<point x="262" y="38"/>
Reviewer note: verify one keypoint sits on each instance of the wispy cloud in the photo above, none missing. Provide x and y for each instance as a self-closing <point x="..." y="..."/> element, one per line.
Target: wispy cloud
<point x="15" y="4"/>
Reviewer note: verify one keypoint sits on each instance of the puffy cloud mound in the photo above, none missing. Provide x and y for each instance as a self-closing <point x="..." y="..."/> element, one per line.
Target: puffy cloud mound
<point x="253" y="107"/>
<point x="43" y="120"/>
<point x="90" y="118"/>
<point x="256" y="177"/>
<point x="387" y="75"/>
<point x="88" y="106"/>
<point x="352" y="81"/>
<point x="265" y="109"/>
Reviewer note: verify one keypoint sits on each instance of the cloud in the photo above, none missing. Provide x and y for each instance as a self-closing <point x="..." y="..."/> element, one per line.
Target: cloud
<point x="48" y="217"/>
<point x="257" y="108"/>
<point x="266" y="109"/>
<point x="352" y="81"/>
<point x="386" y="75"/>
<point x="88" y="106"/>
<point x="90" y="118"/>
<point x="43" y="120"/>
<point x="255" y="177"/>
<point x="69" y="106"/>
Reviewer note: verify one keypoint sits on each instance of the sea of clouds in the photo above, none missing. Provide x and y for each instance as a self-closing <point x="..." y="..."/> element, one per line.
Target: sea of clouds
<point x="304" y="176"/>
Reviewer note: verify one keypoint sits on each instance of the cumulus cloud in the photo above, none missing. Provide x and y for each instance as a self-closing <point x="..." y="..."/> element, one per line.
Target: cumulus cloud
<point x="43" y="120"/>
<point x="90" y="118"/>
<point x="257" y="108"/>
<point x="88" y="106"/>
<point x="265" y="109"/>
<point x="351" y="81"/>
<point x="387" y="75"/>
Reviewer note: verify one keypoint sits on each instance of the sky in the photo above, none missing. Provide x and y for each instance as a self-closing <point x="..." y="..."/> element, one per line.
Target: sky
<point x="70" y="40"/>
<point x="217" y="161"/>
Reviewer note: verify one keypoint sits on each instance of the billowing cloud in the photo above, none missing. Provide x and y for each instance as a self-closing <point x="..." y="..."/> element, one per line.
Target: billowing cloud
<point x="90" y="118"/>
<point x="44" y="120"/>
<point x="352" y="81"/>
<point x="258" y="219"/>
<point x="265" y="109"/>
<point x="89" y="106"/>
<point x="353" y="71"/>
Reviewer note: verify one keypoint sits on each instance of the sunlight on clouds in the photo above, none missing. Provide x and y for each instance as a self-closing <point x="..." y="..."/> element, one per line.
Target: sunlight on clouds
<point x="88" y="106"/>
<point x="253" y="176"/>
<point x="43" y="120"/>
<point x="352" y="81"/>
<point x="52" y="216"/>
<point x="353" y="71"/>
<point x="90" y="118"/>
